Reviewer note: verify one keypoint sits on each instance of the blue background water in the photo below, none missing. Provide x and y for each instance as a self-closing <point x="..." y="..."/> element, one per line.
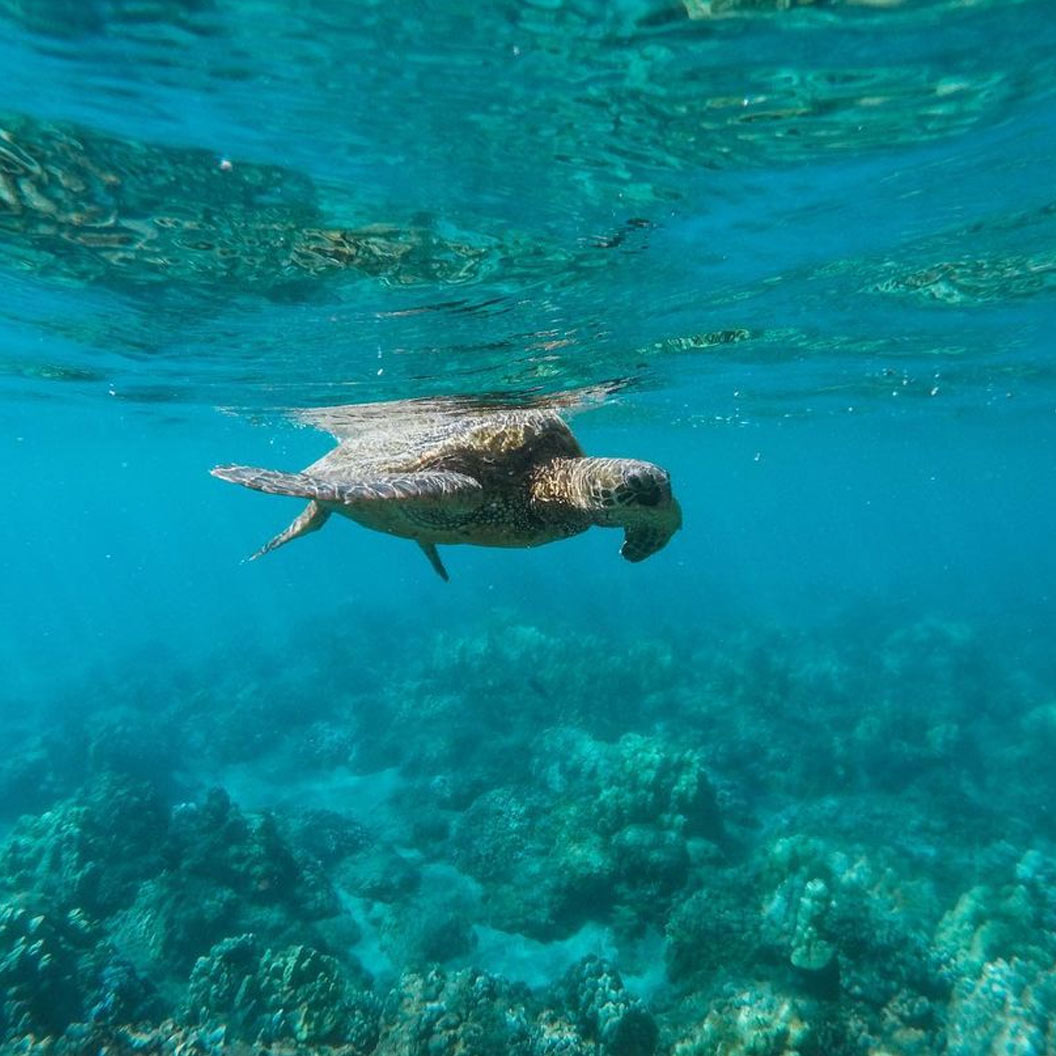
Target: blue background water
<point x="864" y="193"/>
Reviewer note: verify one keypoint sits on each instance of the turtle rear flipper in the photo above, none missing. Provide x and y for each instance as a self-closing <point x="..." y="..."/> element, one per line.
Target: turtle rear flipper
<point x="311" y="520"/>
<point x="430" y="551"/>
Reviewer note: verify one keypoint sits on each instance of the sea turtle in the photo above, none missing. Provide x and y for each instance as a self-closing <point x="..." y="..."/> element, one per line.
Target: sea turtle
<point x="450" y="471"/>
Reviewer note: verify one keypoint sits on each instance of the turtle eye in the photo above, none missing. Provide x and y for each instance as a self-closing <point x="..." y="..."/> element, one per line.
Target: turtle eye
<point x="645" y="488"/>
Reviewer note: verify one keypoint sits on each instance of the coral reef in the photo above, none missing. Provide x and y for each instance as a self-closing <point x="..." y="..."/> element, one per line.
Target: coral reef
<point x="99" y="208"/>
<point x="1007" y="1008"/>
<point x="809" y="878"/>
<point x="754" y="1022"/>
<point x="224" y="874"/>
<point x="57" y="970"/>
<point x="597" y="822"/>
<point x="473" y="1012"/>
<point x="605" y="1014"/>
<point x="466" y="1011"/>
<point x="90" y="852"/>
<point x="169" y="884"/>
<point x="296" y="994"/>
<point x="38" y="971"/>
<point x="995" y="948"/>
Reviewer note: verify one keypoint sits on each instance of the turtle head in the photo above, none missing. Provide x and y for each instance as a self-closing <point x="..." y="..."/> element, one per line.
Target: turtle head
<point x="635" y="496"/>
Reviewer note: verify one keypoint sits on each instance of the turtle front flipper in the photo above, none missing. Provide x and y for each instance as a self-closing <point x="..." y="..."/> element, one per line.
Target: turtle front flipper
<point x="275" y="483"/>
<point x="451" y="495"/>
<point x="454" y="493"/>
<point x="643" y="540"/>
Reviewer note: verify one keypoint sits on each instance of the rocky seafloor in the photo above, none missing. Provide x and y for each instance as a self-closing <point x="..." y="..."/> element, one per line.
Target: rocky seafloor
<point x="514" y="840"/>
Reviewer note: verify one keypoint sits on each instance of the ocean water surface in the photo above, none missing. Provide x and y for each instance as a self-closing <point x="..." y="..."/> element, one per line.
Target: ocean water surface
<point x="784" y="787"/>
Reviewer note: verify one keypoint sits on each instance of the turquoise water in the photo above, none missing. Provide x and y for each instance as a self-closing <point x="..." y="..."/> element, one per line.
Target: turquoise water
<point x="784" y="787"/>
